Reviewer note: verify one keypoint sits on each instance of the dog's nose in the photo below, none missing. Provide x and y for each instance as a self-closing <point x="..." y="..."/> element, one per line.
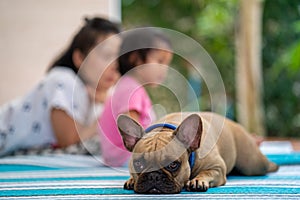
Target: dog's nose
<point x="154" y="176"/>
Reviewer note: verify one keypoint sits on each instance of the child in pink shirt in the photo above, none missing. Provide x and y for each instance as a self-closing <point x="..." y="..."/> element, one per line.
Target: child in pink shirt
<point x="144" y="56"/>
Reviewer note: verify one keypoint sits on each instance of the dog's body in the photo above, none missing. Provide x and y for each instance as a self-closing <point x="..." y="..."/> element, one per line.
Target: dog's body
<point x="160" y="158"/>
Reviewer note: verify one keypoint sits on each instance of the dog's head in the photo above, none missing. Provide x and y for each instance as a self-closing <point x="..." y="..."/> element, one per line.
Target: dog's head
<point x="160" y="159"/>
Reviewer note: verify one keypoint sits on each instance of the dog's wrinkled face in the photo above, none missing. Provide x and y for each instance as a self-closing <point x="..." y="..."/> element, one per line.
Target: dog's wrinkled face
<point x="159" y="162"/>
<point x="158" y="165"/>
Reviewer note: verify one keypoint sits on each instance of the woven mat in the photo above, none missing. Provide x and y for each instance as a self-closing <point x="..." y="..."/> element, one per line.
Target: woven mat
<point x="37" y="181"/>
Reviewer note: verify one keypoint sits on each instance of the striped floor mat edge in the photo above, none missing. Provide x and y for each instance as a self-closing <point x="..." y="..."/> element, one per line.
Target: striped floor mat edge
<point x="36" y="182"/>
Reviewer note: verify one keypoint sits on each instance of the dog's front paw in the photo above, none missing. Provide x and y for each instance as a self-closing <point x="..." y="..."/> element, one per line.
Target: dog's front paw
<point x="129" y="184"/>
<point x="197" y="185"/>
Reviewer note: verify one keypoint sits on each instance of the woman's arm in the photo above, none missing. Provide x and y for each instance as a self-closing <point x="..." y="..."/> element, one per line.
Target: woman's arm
<point x="67" y="130"/>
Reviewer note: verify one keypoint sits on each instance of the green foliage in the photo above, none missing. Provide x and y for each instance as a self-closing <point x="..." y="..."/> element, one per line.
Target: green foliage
<point x="281" y="61"/>
<point x="212" y="23"/>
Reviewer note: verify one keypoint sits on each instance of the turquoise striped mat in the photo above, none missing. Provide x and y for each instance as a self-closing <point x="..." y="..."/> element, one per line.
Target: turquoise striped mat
<point x="99" y="182"/>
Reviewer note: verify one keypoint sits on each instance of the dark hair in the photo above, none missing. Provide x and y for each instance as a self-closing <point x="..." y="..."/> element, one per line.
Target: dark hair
<point x="84" y="40"/>
<point x="141" y="42"/>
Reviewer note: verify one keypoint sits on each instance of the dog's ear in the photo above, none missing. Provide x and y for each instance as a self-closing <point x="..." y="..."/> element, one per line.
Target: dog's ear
<point x="189" y="132"/>
<point x="131" y="131"/>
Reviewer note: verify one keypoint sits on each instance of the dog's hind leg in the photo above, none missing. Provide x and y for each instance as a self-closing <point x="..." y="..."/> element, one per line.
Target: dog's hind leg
<point x="250" y="161"/>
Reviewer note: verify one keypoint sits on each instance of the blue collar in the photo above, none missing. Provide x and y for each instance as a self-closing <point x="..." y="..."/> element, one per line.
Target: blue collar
<point x="172" y="127"/>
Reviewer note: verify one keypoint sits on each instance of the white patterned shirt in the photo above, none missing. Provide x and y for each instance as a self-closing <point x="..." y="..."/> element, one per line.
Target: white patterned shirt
<point x="25" y="122"/>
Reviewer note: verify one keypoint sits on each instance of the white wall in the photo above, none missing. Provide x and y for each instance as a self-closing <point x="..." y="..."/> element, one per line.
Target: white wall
<point x="34" y="32"/>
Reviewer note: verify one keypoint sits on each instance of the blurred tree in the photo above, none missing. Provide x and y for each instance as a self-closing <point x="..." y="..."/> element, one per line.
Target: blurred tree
<point x="250" y="110"/>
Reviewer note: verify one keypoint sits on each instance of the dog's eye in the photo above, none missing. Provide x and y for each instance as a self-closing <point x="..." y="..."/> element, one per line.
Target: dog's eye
<point x="138" y="165"/>
<point x="173" y="166"/>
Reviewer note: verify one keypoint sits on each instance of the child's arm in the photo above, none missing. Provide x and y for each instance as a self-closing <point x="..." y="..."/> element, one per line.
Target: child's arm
<point x="67" y="130"/>
<point x="134" y="115"/>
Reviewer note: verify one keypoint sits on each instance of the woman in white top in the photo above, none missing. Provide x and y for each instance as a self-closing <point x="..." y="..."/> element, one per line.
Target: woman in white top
<point x="63" y="108"/>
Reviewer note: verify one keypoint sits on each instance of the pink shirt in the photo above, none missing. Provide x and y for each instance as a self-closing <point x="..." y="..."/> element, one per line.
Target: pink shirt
<point x="128" y="95"/>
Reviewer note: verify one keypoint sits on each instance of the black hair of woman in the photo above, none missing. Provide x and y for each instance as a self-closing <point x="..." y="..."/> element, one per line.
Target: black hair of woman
<point x="85" y="40"/>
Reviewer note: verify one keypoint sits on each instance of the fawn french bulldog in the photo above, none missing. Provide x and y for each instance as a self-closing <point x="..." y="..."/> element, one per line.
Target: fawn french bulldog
<point x="194" y="151"/>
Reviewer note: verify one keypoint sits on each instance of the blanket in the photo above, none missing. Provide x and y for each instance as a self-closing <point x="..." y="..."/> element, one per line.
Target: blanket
<point x="84" y="177"/>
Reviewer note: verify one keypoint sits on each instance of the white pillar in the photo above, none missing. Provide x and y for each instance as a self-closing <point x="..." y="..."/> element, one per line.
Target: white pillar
<point x="114" y="10"/>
